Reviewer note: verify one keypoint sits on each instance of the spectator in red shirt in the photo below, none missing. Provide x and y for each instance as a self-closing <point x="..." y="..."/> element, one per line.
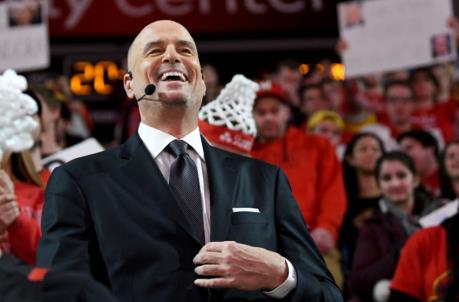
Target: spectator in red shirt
<point x="429" y="113"/>
<point x="399" y="106"/>
<point x="311" y="166"/>
<point x="428" y="269"/>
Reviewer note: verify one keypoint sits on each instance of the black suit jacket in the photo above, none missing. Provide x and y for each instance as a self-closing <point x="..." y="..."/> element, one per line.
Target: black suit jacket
<point x="113" y="215"/>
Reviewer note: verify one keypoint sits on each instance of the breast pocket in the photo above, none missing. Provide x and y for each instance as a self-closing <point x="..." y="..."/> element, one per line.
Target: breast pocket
<point x="248" y="218"/>
<point x="252" y="229"/>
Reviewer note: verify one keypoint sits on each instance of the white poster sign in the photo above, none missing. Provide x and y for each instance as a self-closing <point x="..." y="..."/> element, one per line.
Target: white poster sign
<point x="24" y="42"/>
<point x="86" y="147"/>
<point x="386" y="35"/>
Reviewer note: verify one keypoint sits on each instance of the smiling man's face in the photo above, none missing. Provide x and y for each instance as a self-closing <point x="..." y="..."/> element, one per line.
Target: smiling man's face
<point x="165" y="54"/>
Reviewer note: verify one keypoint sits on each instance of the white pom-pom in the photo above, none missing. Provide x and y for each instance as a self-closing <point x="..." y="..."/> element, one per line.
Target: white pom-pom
<point x="14" y="80"/>
<point x="381" y="291"/>
<point x="16" y="108"/>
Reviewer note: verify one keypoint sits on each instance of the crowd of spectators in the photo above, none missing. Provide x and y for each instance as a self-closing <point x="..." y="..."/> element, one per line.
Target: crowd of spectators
<point x="366" y="159"/>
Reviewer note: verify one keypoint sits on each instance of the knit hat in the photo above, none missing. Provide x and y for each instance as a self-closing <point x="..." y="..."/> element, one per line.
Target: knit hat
<point x="16" y="123"/>
<point x="227" y="121"/>
<point x="325" y="115"/>
<point x="272" y="89"/>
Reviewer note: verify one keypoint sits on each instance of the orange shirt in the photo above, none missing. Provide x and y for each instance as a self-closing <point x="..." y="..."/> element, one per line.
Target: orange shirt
<point x="422" y="269"/>
<point x="315" y="175"/>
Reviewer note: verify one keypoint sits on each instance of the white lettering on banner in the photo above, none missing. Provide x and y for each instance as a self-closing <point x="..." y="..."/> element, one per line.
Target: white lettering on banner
<point x="77" y="10"/>
<point x="204" y="6"/>
<point x="231" y="6"/>
<point x="288" y="8"/>
<point x="53" y="12"/>
<point x="317" y="5"/>
<point x="175" y="8"/>
<point x="134" y="11"/>
<point x="255" y="7"/>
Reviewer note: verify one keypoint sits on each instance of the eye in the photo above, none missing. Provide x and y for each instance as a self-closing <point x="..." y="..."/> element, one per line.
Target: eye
<point x="154" y="51"/>
<point x="385" y="177"/>
<point x="185" y="50"/>
<point x="401" y="175"/>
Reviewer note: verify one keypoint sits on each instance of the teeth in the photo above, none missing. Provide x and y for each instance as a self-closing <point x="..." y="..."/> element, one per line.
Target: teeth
<point x="173" y="74"/>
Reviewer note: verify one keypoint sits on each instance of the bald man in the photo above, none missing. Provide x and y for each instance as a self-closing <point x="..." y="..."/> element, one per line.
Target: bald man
<point x="166" y="216"/>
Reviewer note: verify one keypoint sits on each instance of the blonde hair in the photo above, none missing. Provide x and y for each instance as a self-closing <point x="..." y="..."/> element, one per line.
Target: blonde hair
<point x="325" y="115"/>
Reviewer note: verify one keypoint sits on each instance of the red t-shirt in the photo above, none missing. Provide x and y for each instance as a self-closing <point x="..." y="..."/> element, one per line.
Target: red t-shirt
<point x="23" y="235"/>
<point x="422" y="269"/>
<point x="441" y="117"/>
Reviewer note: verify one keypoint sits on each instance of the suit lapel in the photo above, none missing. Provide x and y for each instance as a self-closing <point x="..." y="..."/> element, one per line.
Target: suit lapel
<point x="144" y="174"/>
<point x="222" y="180"/>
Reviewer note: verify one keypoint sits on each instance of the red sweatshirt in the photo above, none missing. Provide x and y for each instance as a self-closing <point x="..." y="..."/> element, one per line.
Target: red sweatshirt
<point x="315" y="175"/>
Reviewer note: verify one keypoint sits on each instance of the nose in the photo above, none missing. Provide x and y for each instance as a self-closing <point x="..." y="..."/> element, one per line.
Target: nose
<point x="170" y="55"/>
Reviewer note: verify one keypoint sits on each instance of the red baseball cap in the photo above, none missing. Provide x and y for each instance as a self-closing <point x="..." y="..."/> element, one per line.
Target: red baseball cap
<point x="272" y="89"/>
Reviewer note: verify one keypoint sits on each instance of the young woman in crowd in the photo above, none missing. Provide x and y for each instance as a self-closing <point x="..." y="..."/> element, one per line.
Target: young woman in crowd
<point x="393" y="221"/>
<point x="449" y="171"/>
<point x="21" y="202"/>
<point x="362" y="190"/>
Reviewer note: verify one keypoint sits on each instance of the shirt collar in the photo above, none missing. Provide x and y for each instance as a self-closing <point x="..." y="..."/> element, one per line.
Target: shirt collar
<point x="156" y="140"/>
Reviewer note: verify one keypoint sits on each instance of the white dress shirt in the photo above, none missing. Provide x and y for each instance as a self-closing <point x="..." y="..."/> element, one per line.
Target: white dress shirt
<point x="156" y="141"/>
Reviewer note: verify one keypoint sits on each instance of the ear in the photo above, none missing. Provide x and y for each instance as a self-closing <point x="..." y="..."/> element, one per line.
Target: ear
<point x="128" y="85"/>
<point x="416" y="181"/>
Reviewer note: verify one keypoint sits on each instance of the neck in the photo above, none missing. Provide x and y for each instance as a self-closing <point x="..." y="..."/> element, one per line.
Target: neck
<point x="368" y="187"/>
<point x="424" y="103"/>
<point x="455" y="183"/>
<point x="36" y="158"/>
<point x="430" y="169"/>
<point x="406" y="206"/>
<point x="177" y="121"/>
<point x="49" y="144"/>
<point x="402" y="126"/>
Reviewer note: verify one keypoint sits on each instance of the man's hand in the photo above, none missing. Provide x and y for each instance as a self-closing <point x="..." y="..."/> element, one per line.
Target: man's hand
<point x="323" y="239"/>
<point x="234" y="265"/>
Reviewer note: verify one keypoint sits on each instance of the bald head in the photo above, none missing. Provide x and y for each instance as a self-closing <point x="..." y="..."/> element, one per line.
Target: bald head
<point x="162" y="25"/>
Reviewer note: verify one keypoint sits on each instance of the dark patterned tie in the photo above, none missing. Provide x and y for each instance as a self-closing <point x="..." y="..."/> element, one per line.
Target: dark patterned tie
<point x="184" y="183"/>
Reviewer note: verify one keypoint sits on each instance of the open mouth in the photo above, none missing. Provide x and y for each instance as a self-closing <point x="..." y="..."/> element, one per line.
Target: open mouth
<point x="173" y="76"/>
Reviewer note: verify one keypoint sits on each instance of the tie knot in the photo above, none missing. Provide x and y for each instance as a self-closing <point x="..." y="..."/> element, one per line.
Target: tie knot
<point x="177" y="147"/>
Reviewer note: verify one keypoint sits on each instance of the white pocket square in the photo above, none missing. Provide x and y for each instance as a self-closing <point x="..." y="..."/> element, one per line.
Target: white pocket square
<point x="251" y="210"/>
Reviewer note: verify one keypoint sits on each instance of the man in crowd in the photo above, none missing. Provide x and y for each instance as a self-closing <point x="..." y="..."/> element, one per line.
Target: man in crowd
<point x="313" y="100"/>
<point x="311" y="166"/>
<point x="166" y="217"/>
<point x="422" y="147"/>
<point x="399" y="107"/>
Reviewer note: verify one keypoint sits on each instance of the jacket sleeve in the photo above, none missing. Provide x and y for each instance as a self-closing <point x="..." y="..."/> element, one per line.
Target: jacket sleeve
<point x="314" y="282"/>
<point x="65" y="225"/>
<point x="370" y="263"/>
<point x="331" y="193"/>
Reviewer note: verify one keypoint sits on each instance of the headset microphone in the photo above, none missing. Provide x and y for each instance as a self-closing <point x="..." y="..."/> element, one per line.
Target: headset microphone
<point x="149" y="90"/>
